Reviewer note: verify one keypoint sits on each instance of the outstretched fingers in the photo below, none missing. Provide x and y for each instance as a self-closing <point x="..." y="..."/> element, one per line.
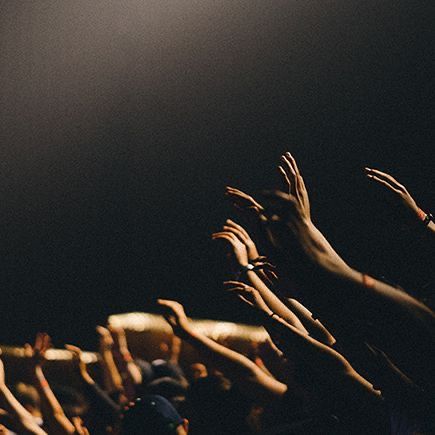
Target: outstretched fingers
<point x="288" y="172"/>
<point x="385" y="179"/>
<point x="237" y="233"/>
<point x="287" y="181"/>
<point x="384" y="183"/>
<point x="242" y="200"/>
<point x="228" y="236"/>
<point x="238" y="227"/>
<point x="292" y="162"/>
<point x="240" y="289"/>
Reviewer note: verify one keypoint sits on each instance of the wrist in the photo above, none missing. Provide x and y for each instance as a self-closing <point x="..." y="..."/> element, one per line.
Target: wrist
<point x="127" y="357"/>
<point x="420" y="214"/>
<point x="245" y="268"/>
<point x="426" y="218"/>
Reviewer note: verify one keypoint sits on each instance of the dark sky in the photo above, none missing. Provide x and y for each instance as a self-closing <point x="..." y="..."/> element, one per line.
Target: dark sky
<point x="121" y="123"/>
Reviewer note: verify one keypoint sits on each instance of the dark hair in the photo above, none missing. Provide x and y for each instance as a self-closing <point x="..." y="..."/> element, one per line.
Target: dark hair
<point x="151" y="414"/>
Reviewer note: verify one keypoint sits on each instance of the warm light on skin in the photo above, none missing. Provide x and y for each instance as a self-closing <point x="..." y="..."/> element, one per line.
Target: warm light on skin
<point x="216" y="330"/>
<point x="50" y="354"/>
<point x="142" y="322"/>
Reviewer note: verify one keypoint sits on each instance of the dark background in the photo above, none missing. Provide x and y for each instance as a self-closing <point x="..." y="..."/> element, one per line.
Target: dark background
<point x="121" y="123"/>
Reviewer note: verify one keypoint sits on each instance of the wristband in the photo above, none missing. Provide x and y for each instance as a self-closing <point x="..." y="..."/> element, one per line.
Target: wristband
<point x="428" y="218"/>
<point x="244" y="270"/>
<point x="127" y="357"/>
<point x="247" y="268"/>
<point x="421" y="214"/>
<point x="425" y="217"/>
<point x="43" y="383"/>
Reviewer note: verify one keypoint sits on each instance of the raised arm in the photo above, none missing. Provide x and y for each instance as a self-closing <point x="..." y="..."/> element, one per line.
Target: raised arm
<point x="22" y="419"/>
<point x="128" y="370"/>
<point x="314" y="327"/>
<point x="400" y="191"/>
<point x="240" y="245"/>
<point x="332" y="368"/>
<point x="250" y="378"/>
<point x="105" y="410"/>
<point x="354" y="304"/>
<point x="54" y="416"/>
<point x="112" y="377"/>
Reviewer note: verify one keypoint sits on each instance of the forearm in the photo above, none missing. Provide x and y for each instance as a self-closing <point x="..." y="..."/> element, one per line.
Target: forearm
<point x="134" y="372"/>
<point x="249" y="377"/>
<point x="358" y="291"/>
<point x="112" y="376"/>
<point x="274" y="360"/>
<point x="123" y="361"/>
<point x="328" y="365"/>
<point x="23" y="420"/>
<point x="314" y="327"/>
<point x="356" y="305"/>
<point x="426" y="218"/>
<point x="52" y="411"/>
<point x="274" y="302"/>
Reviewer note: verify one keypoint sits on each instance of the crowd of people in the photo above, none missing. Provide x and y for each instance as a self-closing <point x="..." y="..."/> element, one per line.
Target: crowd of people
<point x="346" y="353"/>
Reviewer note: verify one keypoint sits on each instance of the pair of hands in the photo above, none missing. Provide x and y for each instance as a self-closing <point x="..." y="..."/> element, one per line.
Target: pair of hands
<point x="294" y="186"/>
<point x="287" y="220"/>
<point x="36" y="354"/>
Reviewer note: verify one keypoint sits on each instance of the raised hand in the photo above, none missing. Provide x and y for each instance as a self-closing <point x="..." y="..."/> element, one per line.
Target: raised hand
<point x="239" y="248"/>
<point x="294" y="182"/>
<point x="106" y="339"/>
<point x="243" y="236"/>
<point x="248" y="294"/>
<point x="119" y="338"/>
<point x="292" y="233"/>
<point x="392" y="184"/>
<point x="36" y="353"/>
<point x="175" y="316"/>
<point x="242" y="200"/>
<point x="79" y="362"/>
<point x="21" y="419"/>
